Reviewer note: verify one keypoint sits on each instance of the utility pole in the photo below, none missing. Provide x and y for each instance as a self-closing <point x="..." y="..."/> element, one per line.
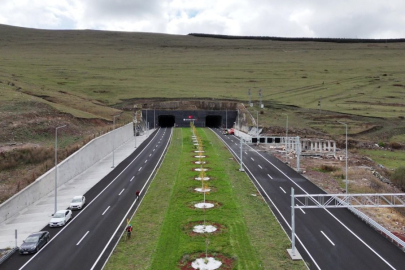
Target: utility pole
<point x="286" y="138"/>
<point x="260" y="98"/>
<point x="250" y="99"/>
<point x="241" y="153"/>
<point x="113" y="138"/>
<point x="346" y="152"/>
<point x="56" y="166"/>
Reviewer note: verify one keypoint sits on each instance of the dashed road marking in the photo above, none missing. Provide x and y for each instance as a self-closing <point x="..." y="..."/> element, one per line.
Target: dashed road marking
<point x="78" y="243"/>
<point x="121" y="192"/>
<point x="301" y="209"/>
<point x="283" y="190"/>
<point x="327" y="238"/>
<point x="269" y="176"/>
<point x="105" y="210"/>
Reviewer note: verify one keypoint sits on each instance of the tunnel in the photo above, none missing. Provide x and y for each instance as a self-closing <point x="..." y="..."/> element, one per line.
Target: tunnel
<point x="166" y="120"/>
<point x="213" y="121"/>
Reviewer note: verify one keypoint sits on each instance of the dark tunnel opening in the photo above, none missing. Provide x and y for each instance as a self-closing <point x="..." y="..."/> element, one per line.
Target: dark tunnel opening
<point x="213" y="121"/>
<point x="166" y="121"/>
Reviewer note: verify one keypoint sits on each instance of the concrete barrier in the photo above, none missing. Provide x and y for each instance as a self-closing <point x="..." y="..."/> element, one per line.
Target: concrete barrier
<point x="77" y="163"/>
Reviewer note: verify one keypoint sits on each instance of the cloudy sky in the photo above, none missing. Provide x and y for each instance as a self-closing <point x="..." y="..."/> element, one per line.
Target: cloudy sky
<point x="288" y="18"/>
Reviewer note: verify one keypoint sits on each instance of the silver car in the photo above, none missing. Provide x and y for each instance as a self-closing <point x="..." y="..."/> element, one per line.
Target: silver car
<point x="60" y="218"/>
<point x="77" y="202"/>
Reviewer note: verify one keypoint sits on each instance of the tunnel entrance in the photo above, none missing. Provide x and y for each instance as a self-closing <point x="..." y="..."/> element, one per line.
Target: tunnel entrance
<point x="166" y="121"/>
<point x="213" y="121"/>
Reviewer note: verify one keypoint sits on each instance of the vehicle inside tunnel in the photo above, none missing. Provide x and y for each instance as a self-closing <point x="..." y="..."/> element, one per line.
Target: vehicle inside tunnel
<point x="166" y="121"/>
<point x="213" y="121"/>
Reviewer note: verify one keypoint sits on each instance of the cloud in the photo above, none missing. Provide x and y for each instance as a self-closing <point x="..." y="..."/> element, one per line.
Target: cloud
<point x="289" y="18"/>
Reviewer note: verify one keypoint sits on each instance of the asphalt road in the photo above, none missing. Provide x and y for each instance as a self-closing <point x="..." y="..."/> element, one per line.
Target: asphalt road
<point x="325" y="238"/>
<point x="88" y="239"/>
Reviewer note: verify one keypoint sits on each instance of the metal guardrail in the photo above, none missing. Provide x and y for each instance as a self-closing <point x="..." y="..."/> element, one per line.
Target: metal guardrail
<point x="389" y="235"/>
<point x="8" y="255"/>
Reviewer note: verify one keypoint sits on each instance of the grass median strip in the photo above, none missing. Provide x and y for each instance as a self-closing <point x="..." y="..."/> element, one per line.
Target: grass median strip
<point x="249" y="235"/>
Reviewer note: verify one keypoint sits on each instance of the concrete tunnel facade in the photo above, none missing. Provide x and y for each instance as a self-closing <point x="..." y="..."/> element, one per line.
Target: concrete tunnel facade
<point x="182" y="118"/>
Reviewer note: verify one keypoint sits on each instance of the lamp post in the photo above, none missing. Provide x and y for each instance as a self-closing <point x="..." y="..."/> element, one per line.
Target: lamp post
<point x="257" y="123"/>
<point x="135" y="130"/>
<point x="241" y="153"/>
<point x="226" y="118"/>
<point x="286" y="138"/>
<point x="146" y="124"/>
<point x="113" y="138"/>
<point x="56" y="166"/>
<point x="346" y="151"/>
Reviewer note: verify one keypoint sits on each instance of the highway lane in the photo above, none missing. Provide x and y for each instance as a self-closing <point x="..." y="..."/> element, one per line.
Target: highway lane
<point x="326" y="238"/>
<point x="87" y="241"/>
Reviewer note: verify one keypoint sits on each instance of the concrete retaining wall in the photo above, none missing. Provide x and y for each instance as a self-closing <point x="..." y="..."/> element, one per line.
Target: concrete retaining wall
<point x="74" y="165"/>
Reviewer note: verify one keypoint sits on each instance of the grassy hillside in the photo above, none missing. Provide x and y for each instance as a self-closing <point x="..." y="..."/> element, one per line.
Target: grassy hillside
<point x="50" y="78"/>
<point x="89" y="70"/>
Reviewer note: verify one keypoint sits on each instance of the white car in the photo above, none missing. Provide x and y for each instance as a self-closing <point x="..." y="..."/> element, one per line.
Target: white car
<point x="60" y="218"/>
<point x="77" y="202"/>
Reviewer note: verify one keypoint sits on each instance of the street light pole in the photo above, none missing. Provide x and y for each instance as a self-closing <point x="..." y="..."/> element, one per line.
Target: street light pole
<point x="226" y="118"/>
<point x="56" y="166"/>
<point x="146" y="124"/>
<point x="241" y="153"/>
<point x="346" y="152"/>
<point x="286" y="138"/>
<point x="135" y="130"/>
<point x="113" y="138"/>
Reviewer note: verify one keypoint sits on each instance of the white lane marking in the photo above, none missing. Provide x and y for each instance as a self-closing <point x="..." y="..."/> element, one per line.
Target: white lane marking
<point x="157" y="145"/>
<point x="301" y="209"/>
<point x="146" y="161"/>
<point x="132" y="178"/>
<point x="121" y="192"/>
<point x="245" y="153"/>
<point x="123" y="219"/>
<point x="327" y="238"/>
<point x="283" y="190"/>
<point x="252" y="159"/>
<point x="275" y="207"/>
<point x="341" y="223"/>
<point x="98" y="195"/>
<point x="78" y="243"/>
<point x="105" y="210"/>
<point x="231" y="140"/>
<point x="269" y="176"/>
<point x="150" y="154"/>
<point x="236" y="144"/>
<point x="140" y="169"/>
<point x="260" y="166"/>
<point x="154" y="150"/>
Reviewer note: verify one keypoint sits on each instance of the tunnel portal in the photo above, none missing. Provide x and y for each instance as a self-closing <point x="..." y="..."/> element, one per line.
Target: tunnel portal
<point x="213" y="121"/>
<point x="166" y="121"/>
<point x="182" y="118"/>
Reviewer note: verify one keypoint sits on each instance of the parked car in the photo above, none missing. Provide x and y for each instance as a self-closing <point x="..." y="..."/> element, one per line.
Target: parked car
<point x="77" y="202"/>
<point x="34" y="242"/>
<point x="60" y="218"/>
